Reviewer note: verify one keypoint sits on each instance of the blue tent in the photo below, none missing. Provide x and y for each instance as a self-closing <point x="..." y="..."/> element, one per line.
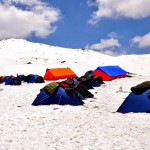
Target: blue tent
<point x="12" y="81"/>
<point x="33" y="78"/>
<point x="6" y="78"/>
<point x="60" y="97"/>
<point x="112" y="70"/>
<point x="21" y="77"/>
<point x="109" y="72"/>
<point x="136" y="103"/>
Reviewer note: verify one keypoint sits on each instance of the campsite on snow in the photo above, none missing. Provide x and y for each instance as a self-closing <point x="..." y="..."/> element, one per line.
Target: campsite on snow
<point x="82" y="100"/>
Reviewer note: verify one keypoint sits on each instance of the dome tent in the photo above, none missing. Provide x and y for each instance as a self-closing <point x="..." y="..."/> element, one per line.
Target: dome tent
<point x="34" y="78"/>
<point x="10" y="80"/>
<point x="138" y="101"/>
<point x="53" y="93"/>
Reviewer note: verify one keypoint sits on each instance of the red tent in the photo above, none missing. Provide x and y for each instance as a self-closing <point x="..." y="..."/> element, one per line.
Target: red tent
<point x="109" y="73"/>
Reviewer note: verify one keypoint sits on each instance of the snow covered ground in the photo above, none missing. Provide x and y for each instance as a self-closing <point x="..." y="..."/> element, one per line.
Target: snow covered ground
<point x="94" y="126"/>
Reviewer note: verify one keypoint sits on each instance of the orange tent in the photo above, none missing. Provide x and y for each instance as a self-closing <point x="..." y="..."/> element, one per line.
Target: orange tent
<point x="58" y="73"/>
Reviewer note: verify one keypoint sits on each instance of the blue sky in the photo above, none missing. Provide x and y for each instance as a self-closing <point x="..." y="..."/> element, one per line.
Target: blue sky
<point x="112" y="27"/>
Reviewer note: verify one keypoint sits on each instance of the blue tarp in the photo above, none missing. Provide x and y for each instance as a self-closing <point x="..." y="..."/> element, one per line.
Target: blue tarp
<point x="112" y="70"/>
<point x="136" y="103"/>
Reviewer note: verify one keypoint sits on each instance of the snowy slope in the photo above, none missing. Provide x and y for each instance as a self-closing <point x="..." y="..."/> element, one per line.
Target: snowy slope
<point x="16" y="53"/>
<point x="93" y="126"/>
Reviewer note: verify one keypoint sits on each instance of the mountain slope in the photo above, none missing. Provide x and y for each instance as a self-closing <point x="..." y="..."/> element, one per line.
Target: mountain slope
<point x="18" y="53"/>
